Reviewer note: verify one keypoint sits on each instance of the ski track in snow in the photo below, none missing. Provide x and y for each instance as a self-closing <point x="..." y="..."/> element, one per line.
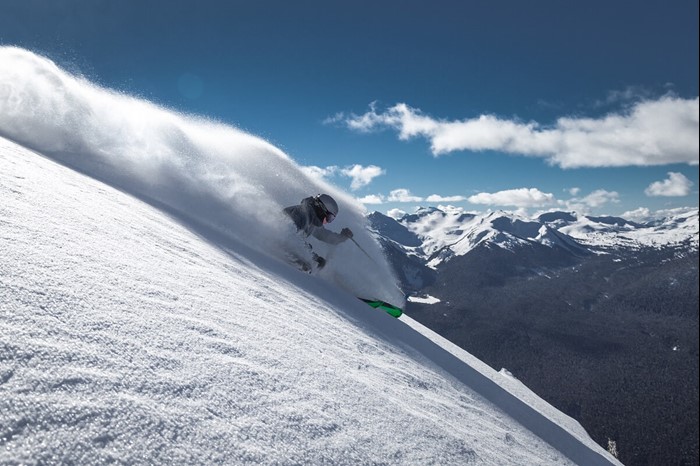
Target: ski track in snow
<point x="128" y="337"/>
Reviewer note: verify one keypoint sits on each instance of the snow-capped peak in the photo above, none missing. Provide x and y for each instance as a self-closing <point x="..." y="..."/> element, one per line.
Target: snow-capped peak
<point x="445" y="234"/>
<point x="616" y="232"/>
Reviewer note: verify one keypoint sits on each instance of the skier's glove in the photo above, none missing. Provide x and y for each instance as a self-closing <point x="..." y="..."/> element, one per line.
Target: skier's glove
<point x="320" y="261"/>
<point x="346" y="232"/>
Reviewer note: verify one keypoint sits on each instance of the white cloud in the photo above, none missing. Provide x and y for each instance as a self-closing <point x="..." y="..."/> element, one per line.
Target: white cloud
<point x="641" y="214"/>
<point x="522" y="197"/>
<point x="362" y="176"/>
<point x="337" y="118"/>
<point x="675" y="185"/>
<point x="601" y="197"/>
<point x="403" y="195"/>
<point x="574" y="191"/>
<point x="450" y="209"/>
<point x="663" y="213"/>
<point x="651" y="132"/>
<point x="319" y="172"/>
<point x="439" y="198"/>
<point x="396" y="213"/>
<point x="630" y="93"/>
<point x="594" y="200"/>
<point x="371" y="199"/>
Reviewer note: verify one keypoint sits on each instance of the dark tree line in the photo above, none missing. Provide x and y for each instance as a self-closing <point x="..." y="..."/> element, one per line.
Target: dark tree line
<point x="611" y="340"/>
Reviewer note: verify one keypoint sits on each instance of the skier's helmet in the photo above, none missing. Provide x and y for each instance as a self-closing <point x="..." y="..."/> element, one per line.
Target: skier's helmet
<point x="329" y="205"/>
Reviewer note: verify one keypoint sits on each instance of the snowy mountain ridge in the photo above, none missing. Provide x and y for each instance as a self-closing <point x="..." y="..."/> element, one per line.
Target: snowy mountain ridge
<point x="435" y="235"/>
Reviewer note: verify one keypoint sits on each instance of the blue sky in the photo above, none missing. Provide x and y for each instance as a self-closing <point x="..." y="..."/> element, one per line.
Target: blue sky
<point x="482" y="105"/>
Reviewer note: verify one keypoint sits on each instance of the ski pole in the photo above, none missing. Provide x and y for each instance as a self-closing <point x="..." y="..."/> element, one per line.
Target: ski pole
<point x="375" y="263"/>
<point x="363" y="250"/>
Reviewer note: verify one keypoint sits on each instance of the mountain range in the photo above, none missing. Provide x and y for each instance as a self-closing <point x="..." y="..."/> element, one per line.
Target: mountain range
<point x="580" y="308"/>
<point x="431" y="237"/>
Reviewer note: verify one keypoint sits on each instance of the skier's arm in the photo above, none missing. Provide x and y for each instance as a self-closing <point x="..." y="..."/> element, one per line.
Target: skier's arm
<point x="328" y="236"/>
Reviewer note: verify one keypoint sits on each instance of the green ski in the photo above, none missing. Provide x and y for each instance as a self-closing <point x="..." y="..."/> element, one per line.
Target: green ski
<point x="386" y="307"/>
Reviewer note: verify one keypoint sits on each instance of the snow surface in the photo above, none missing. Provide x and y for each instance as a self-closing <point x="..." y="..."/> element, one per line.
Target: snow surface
<point x="145" y="316"/>
<point x="677" y="229"/>
<point x="427" y="299"/>
<point x="129" y="336"/>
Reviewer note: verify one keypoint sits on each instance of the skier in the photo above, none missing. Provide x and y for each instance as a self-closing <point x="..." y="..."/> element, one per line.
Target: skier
<point x="310" y="216"/>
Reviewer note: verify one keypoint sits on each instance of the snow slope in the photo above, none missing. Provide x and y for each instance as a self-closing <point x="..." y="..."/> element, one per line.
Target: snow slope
<point x="145" y="316"/>
<point x="130" y="336"/>
<point x="213" y="174"/>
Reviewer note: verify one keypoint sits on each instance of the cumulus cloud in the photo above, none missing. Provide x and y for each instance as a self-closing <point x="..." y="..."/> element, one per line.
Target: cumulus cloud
<point x="371" y="199"/>
<point x="396" y="213"/>
<point x="640" y="214"/>
<point x="601" y="197"/>
<point x="439" y="198"/>
<point x="362" y="176"/>
<point x="676" y="185"/>
<point x="525" y="198"/>
<point x="320" y="172"/>
<point x="595" y="199"/>
<point x="643" y="214"/>
<point x="650" y="132"/>
<point x="522" y="197"/>
<point x="403" y="195"/>
<point x="337" y="118"/>
<point x="628" y="94"/>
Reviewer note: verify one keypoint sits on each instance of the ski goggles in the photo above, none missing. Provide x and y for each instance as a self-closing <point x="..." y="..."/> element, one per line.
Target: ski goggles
<point x="328" y="216"/>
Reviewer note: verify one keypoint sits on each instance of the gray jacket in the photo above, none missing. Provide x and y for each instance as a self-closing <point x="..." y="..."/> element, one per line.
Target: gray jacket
<point x="308" y="218"/>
